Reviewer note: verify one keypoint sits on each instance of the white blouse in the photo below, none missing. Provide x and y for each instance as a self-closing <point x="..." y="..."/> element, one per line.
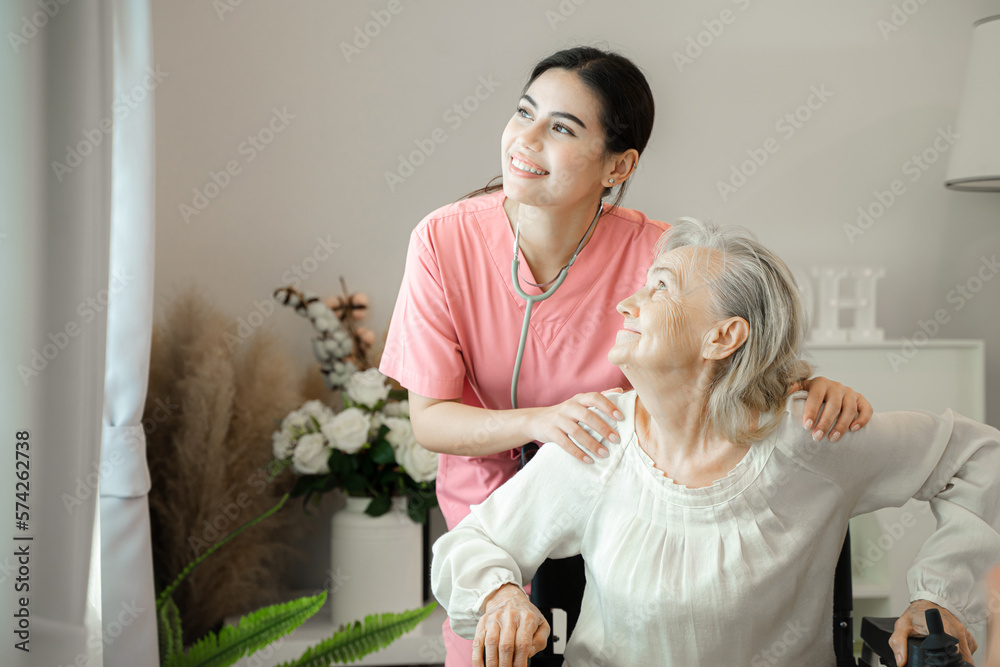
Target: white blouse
<point x="739" y="572"/>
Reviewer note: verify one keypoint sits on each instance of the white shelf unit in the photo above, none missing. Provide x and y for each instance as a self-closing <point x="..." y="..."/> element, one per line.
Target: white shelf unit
<point x="938" y="375"/>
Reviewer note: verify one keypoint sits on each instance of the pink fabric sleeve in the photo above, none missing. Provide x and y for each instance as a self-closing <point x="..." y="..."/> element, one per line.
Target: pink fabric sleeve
<point x="421" y="350"/>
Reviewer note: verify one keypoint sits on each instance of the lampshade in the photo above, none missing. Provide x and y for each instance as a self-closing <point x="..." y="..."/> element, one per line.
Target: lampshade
<point x="975" y="157"/>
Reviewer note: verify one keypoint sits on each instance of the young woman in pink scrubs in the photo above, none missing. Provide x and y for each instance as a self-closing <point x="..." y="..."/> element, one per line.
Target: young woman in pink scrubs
<point x="581" y="124"/>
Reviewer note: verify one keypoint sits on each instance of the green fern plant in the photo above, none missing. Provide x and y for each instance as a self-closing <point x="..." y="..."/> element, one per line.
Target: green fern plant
<point x="252" y="633"/>
<point x="262" y="627"/>
<point x="352" y="642"/>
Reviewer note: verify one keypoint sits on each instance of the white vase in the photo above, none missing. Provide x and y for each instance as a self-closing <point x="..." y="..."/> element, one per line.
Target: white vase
<point x="376" y="563"/>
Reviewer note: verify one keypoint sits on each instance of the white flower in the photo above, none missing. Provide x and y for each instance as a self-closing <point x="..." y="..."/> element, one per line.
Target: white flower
<point x="367" y="388"/>
<point x="318" y="309"/>
<point x="417" y="462"/>
<point x="338" y="373"/>
<point x="320" y="350"/>
<point x="400" y="431"/>
<point x="326" y="322"/>
<point x="296" y="420"/>
<point x="337" y="345"/>
<point x="348" y="431"/>
<point x="311" y="455"/>
<point x="317" y="409"/>
<point x="282" y="444"/>
<point x="377" y="420"/>
<point x="398" y="409"/>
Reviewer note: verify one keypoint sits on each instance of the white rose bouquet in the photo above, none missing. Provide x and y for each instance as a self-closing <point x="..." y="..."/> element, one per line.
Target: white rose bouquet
<point x="368" y="448"/>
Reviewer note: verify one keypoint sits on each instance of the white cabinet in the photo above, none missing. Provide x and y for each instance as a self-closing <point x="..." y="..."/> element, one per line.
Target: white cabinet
<point x="941" y="374"/>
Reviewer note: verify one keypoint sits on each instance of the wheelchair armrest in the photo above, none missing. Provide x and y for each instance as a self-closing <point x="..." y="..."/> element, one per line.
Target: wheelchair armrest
<point x="875" y="633"/>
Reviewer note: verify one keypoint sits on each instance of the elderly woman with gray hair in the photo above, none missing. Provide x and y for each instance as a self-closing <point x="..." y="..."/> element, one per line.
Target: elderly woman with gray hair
<point x="711" y="533"/>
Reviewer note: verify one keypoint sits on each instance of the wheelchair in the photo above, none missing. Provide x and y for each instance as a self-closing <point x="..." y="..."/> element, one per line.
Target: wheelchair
<point x="559" y="585"/>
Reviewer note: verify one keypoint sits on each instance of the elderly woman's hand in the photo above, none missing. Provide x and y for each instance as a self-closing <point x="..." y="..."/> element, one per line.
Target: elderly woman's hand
<point x="510" y="631"/>
<point x="844" y="408"/>
<point x="913" y="622"/>
<point x="557" y="423"/>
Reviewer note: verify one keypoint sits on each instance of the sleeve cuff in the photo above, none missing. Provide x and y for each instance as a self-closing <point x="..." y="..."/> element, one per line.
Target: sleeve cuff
<point x="444" y="390"/>
<point x="464" y="625"/>
<point x="941" y="602"/>
<point x="481" y="600"/>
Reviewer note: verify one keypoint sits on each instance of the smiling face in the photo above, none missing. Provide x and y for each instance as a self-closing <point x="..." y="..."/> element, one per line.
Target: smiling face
<point x="666" y="321"/>
<point x="552" y="150"/>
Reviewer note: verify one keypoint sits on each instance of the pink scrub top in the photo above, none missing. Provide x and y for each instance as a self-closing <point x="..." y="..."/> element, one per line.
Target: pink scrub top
<point x="457" y="321"/>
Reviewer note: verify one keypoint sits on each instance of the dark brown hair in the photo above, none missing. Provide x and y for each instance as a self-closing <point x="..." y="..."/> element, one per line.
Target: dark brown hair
<point x="623" y="94"/>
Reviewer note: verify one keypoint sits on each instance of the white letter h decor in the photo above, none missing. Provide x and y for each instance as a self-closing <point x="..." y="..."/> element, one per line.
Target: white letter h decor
<point x="830" y="303"/>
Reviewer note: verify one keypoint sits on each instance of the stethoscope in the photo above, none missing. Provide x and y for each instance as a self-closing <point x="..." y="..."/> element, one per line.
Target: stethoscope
<point x="532" y="299"/>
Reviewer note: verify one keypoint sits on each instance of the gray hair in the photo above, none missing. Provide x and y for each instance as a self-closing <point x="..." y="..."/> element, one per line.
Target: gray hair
<point x="753" y="283"/>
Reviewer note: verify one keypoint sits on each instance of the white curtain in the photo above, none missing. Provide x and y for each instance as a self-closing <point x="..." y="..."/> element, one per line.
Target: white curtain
<point x="76" y="250"/>
<point x="126" y="553"/>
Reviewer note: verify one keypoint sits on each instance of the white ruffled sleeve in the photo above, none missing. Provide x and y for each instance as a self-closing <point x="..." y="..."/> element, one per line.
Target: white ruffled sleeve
<point x="964" y="494"/>
<point x="542" y="512"/>
<point x="949" y="460"/>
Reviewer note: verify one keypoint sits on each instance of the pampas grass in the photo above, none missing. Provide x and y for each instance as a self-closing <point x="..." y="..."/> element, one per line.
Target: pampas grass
<point x="208" y="460"/>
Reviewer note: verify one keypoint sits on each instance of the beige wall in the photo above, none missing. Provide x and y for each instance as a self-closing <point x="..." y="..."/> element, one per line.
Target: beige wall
<point x="350" y="116"/>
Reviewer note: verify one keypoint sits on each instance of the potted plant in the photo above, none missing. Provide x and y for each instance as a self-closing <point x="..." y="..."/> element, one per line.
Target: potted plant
<point x="367" y="451"/>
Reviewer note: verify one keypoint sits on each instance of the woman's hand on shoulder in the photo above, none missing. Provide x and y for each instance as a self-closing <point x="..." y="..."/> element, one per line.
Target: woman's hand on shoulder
<point x="558" y="422"/>
<point x="510" y="631"/>
<point x="843" y="408"/>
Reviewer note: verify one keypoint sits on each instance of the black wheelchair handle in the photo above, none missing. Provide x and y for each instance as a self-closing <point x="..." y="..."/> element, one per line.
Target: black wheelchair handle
<point x="937" y="649"/>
